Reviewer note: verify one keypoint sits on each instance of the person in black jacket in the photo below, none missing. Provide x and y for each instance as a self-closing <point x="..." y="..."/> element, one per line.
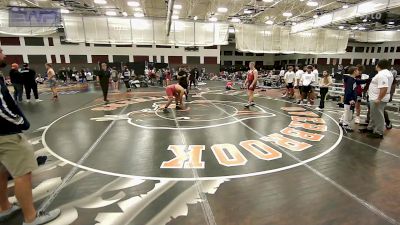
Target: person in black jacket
<point x="104" y="79"/>
<point x="29" y="78"/>
<point x="17" y="82"/>
<point x="17" y="159"/>
<point x="183" y="80"/>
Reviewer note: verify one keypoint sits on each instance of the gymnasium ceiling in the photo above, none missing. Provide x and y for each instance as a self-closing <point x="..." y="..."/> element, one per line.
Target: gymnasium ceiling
<point x="248" y="11"/>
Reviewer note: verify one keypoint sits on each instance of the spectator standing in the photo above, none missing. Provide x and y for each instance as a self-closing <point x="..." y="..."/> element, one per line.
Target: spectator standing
<point x="29" y="78"/>
<point x="17" y="82"/>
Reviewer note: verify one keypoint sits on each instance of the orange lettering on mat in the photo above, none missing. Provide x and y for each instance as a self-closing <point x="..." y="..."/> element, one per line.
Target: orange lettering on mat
<point x="236" y="157"/>
<point x="308" y="113"/>
<point x="308" y="119"/>
<point x="309" y="126"/>
<point x="293" y="109"/>
<point x="285" y="142"/>
<point x="260" y="150"/>
<point x="302" y="134"/>
<point x="186" y="160"/>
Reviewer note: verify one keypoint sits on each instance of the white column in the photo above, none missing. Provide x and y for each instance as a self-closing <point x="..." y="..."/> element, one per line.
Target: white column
<point x="130" y="58"/>
<point x="201" y="59"/>
<point x="110" y="58"/>
<point x="89" y="59"/>
<point x="58" y="59"/>
<point x="48" y="58"/>
<point x="184" y="59"/>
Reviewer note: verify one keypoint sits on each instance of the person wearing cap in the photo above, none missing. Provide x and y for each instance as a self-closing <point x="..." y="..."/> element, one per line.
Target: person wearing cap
<point x="29" y="78"/>
<point x="17" y="82"/>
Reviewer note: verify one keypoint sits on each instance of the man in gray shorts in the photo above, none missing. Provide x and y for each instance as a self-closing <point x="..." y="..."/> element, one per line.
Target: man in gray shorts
<point x="17" y="159"/>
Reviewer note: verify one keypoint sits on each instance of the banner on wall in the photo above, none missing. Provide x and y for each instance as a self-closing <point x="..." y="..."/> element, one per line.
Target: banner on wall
<point x="278" y="39"/>
<point x="112" y="30"/>
<point x="376" y="36"/>
<point x="22" y="30"/>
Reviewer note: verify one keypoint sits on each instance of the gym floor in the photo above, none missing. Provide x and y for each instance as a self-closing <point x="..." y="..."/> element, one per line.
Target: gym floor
<point x="214" y="163"/>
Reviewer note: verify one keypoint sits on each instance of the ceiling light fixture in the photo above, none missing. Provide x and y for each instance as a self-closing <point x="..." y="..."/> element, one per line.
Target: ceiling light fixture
<point x="175" y="12"/>
<point x="231" y="30"/>
<point x="315" y="16"/>
<point x="235" y="20"/>
<point x="365" y="20"/>
<point x="213" y="19"/>
<point x="138" y="14"/>
<point x="100" y="2"/>
<point x="195" y="18"/>
<point x="312" y="3"/>
<point x="269" y="22"/>
<point x="65" y="11"/>
<point x="269" y="1"/>
<point x="175" y="17"/>
<point x="111" y="13"/>
<point x="345" y="6"/>
<point x="362" y="28"/>
<point x="294" y="23"/>
<point x="287" y="14"/>
<point x="137" y="9"/>
<point x="133" y="4"/>
<point x="177" y="6"/>
<point x="354" y="28"/>
<point x="341" y="27"/>
<point x="222" y="10"/>
<point x="125" y="14"/>
<point x="391" y="22"/>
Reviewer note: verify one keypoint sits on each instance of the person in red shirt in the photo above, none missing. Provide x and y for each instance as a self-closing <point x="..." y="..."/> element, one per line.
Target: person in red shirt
<point x="229" y="85"/>
<point x="168" y="77"/>
<point x="175" y="91"/>
<point x="250" y="83"/>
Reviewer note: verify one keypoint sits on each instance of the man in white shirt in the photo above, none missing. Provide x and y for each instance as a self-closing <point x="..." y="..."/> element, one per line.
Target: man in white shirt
<point x="299" y="74"/>
<point x="289" y="78"/>
<point x="307" y="80"/>
<point x="379" y="95"/>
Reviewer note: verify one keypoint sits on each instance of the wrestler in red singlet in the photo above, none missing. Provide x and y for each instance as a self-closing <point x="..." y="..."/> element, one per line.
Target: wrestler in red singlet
<point x="175" y="91"/>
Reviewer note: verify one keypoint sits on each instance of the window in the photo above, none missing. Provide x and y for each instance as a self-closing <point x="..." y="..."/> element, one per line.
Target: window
<point x="349" y="49"/>
<point x="144" y="46"/>
<point x="121" y="58"/>
<point x="228" y="53"/>
<point x="176" y="46"/>
<point x="391" y="49"/>
<point x="249" y="54"/>
<point x="367" y="50"/>
<point x="163" y="46"/>
<point x="62" y="57"/>
<point x="34" y="41"/>
<point x="357" y="61"/>
<point x="53" y="59"/>
<point x="191" y="49"/>
<point x="334" y="61"/>
<point x="10" y="41"/>
<point x="320" y="61"/>
<point x="140" y="58"/>
<point x="379" y="50"/>
<point x="211" y="47"/>
<point x="102" y="45"/>
<point x="372" y="49"/>
<point x="154" y="58"/>
<point x="51" y="42"/>
<point x="227" y="63"/>
<point x="386" y="49"/>
<point x="175" y="59"/>
<point x="396" y="61"/>
<point x="346" y="62"/>
<point x="162" y="59"/>
<point x="238" y="53"/>
<point x="359" y="49"/>
<point x="193" y="60"/>
<point x="246" y="63"/>
<point x="87" y="44"/>
<point x="10" y="59"/>
<point x="99" y="58"/>
<point x="259" y="63"/>
<point x="37" y="59"/>
<point x="123" y="46"/>
<point x="78" y="59"/>
<point x="238" y="62"/>
<point x="210" y="60"/>
<point x="260" y="54"/>
<point x="398" y="49"/>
